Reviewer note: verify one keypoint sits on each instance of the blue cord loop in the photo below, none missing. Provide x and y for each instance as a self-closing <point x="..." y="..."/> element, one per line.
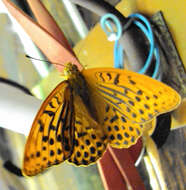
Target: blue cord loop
<point x="141" y="22"/>
<point x="107" y="21"/>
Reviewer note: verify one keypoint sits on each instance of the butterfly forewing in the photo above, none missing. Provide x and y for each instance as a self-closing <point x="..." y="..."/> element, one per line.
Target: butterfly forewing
<point x="52" y="134"/>
<point x="125" y="101"/>
<point x="137" y="97"/>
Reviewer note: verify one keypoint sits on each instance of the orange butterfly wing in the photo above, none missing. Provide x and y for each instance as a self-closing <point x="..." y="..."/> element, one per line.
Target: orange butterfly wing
<point x="52" y="134"/>
<point x="125" y="101"/>
<point x="65" y="128"/>
<point x="90" y="141"/>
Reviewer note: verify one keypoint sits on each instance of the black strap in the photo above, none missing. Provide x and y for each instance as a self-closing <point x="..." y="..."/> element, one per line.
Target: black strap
<point x="13" y="168"/>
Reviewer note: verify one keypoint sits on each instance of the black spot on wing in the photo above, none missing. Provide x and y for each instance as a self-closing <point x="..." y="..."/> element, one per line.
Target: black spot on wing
<point x="134" y="115"/>
<point x="92" y="159"/>
<point x="52" y="153"/>
<point x="114" y="118"/>
<point x="51" y="141"/>
<point x="52" y="127"/>
<point x="41" y="128"/>
<point x="146" y="106"/>
<point x="93" y="136"/>
<point x="85" y="162"/>
<point x="131" y="102"/>
<point x="82" y="134"/>
<point x="59" y="151"/>
<point x="45" y="138"/>
<point x="150" y="115"/>
<point x="76" y="143"/>
<point x="78" y="122"/>
<point x="57" y="99"/>
<point x="51" y="105"/>
<point x="128" y="109"/>
<point x="147" y="97"/>
<point x="116" y="80"/>
<point x="112" y="137"/>
<point x="107" y="108"/>
<point x="139" y="92"/>
<point x="50" y="113"/>
<point x="44" y="148"/>
<point x="126" y="135"/>
<point x="131" y="128"/>
<point x="123" y="119"/>
<point x="92" y="150"/>
<point x="59" y="138"/>
<point x="132" y="139"/>
<point x="132" y="82"/>
<point x="98" y="144"/>
<point x="141" y="111"/>
<point x="86" y="154"/>
<point x="109" y="76"/>
<point x="137" y="99"/>
<point x="78" y="154"/>
<point x="82" y="147"/>
<point x="104" y="137"/>
<point x="155" y="96"/>
<point x="119" y="137"/>
<point x="109" y="128"/>
<point x="87" y="142"/>
<point x="116" y="127"/>
<point x="101" y="76"/>
<point x="38" y="154"/>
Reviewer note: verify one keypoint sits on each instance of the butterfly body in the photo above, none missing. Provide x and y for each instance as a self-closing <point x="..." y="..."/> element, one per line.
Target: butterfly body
<point x="88" y="111"/>
<point x="79" y="86"/>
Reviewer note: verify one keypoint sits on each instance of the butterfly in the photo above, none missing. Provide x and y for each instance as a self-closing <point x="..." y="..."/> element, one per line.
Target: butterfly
<point x="88" y="111"/>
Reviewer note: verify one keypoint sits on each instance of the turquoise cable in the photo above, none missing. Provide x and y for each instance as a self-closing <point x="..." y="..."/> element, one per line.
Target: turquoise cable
<point x="145" y="26"/>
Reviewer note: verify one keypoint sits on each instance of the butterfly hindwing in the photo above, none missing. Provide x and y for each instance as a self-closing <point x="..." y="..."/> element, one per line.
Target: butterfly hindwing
<point x="90" y="140"/>
<point x="52" y="134"/>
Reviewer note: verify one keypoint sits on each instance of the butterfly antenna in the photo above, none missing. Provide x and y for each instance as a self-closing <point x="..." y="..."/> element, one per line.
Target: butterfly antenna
<point x="28" y="56"/>
<point x="8" y="165"/>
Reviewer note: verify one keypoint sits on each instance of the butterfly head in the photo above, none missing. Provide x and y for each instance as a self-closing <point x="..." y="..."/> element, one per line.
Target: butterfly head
<point x="70" y="70"/>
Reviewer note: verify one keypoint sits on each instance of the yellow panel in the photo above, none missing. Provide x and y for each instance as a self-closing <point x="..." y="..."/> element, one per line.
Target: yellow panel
<point x="175" y="14"/>
<point x="179" y="119"/>
<point x="96" y="51"/>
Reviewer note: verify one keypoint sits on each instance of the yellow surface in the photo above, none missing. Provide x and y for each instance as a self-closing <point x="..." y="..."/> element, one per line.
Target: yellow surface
<point x="175" y="14"/>
<point x="96" y="51"/>
<point x="179" y="116"/>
